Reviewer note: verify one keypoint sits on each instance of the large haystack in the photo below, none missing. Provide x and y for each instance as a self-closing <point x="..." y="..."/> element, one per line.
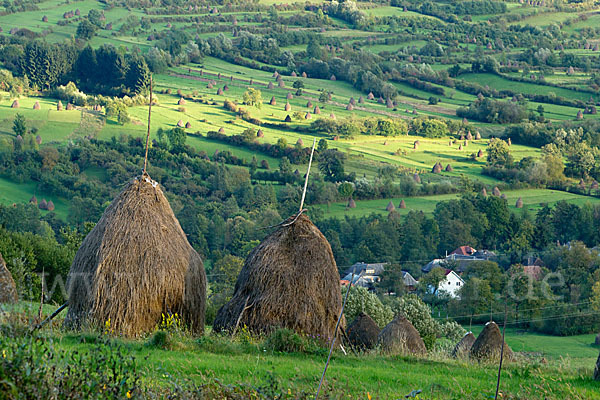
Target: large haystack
<point x="8" y="289"/>
<point x="463" y="347"/>
<point x="135" y="266"/>
<point x="597" y="369"/>
<point x="289" y="280"/>
<point x="363" y="332"/>
<point x="401" y="337"/>
<point x="489" y="344"/>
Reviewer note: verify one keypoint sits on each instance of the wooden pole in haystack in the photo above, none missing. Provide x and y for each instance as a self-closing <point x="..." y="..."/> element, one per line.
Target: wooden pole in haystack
<point x="307" y="173"/>
<point x="335" y="334"/>
<point x="148" y="135"/>
<point x="51" y="317"/>
<point x="501" y="352"/>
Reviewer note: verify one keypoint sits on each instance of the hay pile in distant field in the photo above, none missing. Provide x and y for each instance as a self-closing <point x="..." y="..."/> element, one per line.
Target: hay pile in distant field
<point x="463" y="347"/>
<point x="8" y="289"/>
<point x="489" y="344"/>
<point x="289" y="280"/>
<point x="135" y="266"/>
<point x="363" y="332"/>
<point x="401" y="337"/>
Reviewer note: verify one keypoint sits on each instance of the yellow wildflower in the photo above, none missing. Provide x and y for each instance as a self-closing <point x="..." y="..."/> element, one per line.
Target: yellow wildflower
<point x="129" y="394"/>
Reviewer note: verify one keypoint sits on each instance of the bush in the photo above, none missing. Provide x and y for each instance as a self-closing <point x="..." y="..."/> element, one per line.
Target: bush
<point x="160" y="340"/>
<point x="285" y="340"/>
<point x="361" y="300"/>
<point x="452" y="331"/>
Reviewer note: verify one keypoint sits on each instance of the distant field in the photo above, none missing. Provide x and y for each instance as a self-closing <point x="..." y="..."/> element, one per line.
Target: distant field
<point x="532" y="201"/>
<point x="12" y="192"/>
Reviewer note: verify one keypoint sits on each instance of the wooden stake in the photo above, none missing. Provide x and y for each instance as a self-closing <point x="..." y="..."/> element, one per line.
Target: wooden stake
<point x="307" y="173"/>
<point x="501" y="351"/>
<point x="337" y="325"/>
<point x="148" y="135"/>
<point x="51" y="317"/>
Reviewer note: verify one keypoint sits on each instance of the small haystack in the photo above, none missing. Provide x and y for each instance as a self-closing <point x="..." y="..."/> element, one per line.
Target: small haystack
<point x="287" y="107"/>
<point x="477" y="135"/>
<point x="437" y="168"/>
<point x="135" y="266"/>
<point x="390" y="207"/>
<point x="449" y="168"/>
<point x="480" y="153"/>
<point x="33" y="200"/>
<point x="351" y="203"/>
<point x="59" y="106"/>
<point x="332" y="116"/>
<point x="484" y="192"/>
<point x="289" y="96"/>
<point x="489" y="344"/>
<point x="402" y="204"/>
<point x="289" y="280"/>
<point x="36" y="106"/>
<point x="181" y="102"/>
<point x="304" y="75"/>
<point x="260" y="133"/>
<point x="416" y="145"/>
<point x="401" y="337"/>
<point x="270" y="86"/>
<point x="463" y="347"/>
<point x="50" y="206"/>
<point x="300" y="142"/>
<point x="307" y="116"/>
<point x="317" y="110"/>
<point x="597" y="340"/>
<point x="188" y="125"/>
<point x="273" y="102"/>
<point x="70" y="107"/>
<point x="594" y="185"/>
<point x="370" y="96"/>
<point x="309" y="104"/>
<point x="15" y="104"/>
<point x="363" y="332"/>
<point x="417" y="178"/>
<point x="519" y="203"/>
<point x="496" y="191"/>
<point x="8" y="289"/>
<point x="43" y="205"/>
<point x="220" y="92"/>
<point x="349" y="107"/>
<point x="180" y="124"/>
<point x="221" y="130"/>
<point x="469" y="136"/>
<point x="287" y="118"/>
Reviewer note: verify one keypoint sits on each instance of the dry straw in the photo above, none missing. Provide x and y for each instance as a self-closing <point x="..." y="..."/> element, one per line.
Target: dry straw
<point x="8" y="289"/>
<point x="135" y="265"/>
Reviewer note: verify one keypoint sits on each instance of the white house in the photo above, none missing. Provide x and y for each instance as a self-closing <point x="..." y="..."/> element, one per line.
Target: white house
<point x="451" y="284"/>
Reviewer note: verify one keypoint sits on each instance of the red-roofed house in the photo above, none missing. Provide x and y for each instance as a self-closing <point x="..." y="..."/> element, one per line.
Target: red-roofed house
<point x="464" y="251"/>
<point x="534" y="271"/>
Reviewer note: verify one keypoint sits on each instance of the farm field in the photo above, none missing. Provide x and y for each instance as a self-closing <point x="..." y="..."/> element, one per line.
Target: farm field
<point x="533" y="199"/>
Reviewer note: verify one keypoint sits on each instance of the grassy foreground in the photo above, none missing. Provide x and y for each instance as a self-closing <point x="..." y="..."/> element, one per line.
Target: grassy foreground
<point x="250" y="362"/>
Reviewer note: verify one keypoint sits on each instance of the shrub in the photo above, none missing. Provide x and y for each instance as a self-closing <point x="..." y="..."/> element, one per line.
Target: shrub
<point x="452" y="331"/>
<point x="160" y="340"/>
<point x="361" y="300"/>
<point x="285" y="340"/>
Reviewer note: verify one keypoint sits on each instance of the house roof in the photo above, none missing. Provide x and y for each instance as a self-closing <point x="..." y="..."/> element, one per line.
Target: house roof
<point x="464" y="251"/>
<point x="359" y="267"/>
<point x="432" y="264"/>
<point x="408" y="279"/>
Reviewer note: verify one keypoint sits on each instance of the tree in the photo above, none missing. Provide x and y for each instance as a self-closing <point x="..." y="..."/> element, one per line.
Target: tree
<point x="96" y="17"/>
<point x="117" y="109"/>
<point x="498" y="154"/>
<point x="392" y="280"/>
<point x="298" y="84"/>
<point x="430" y="283"/>
<point x="331" y="165"/>
<point x="86" y="30"/>
<point x="475" y="297"/>
<point x="253" y="97"/>
<point x="137" y="78"/>
<point x="285" y="167"/>
<point x="345" y="190"/>
<point x="226" y="271"/>
<point x="322" y="145"/>
<point x="177" y="137"/>
<point x="313" y="50"/>
<point x="19" y="125"/>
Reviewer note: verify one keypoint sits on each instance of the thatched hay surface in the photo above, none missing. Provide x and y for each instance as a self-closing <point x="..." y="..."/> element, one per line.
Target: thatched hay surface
<point x="489" y="344"/>
<point x="363" y="332"/>
<point x="136" y="265"/>
<point x="8" y="289"/>
<point x="463" y="347"/>
<point x="401" y="337"/>
<point x="289" y="280"/>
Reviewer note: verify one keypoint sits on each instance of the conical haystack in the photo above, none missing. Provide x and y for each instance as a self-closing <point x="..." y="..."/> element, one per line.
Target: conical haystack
<point x="496" y="191"/>
<point x="351" y="203"/>
<point x="135" y="266"/>
<point x="402" y="204"/>
<point x="463" y="347"/>
<point x="401" y="337"/>
<point x="417" y="178"/>
<point x="8" y="289"/>
<point x="390" y="206"/>
<point x="519" y="203"/>
<point x="289" y="280"/>
<point x="363" y="332"/>
<point x="489" y="344"/>
<point x="36" y="106"/>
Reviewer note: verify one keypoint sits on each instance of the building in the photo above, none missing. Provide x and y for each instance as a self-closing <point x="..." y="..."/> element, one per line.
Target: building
<point x="368" y="275"/>
<point x="451" y="284"/>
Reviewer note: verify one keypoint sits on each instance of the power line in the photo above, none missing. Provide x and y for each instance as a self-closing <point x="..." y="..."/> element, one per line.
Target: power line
<point x="520" y="311"/>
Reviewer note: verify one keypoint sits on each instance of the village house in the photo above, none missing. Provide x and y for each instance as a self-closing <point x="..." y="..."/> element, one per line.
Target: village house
<point x="451" y="284"/>
<point x="368" y="275"/>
